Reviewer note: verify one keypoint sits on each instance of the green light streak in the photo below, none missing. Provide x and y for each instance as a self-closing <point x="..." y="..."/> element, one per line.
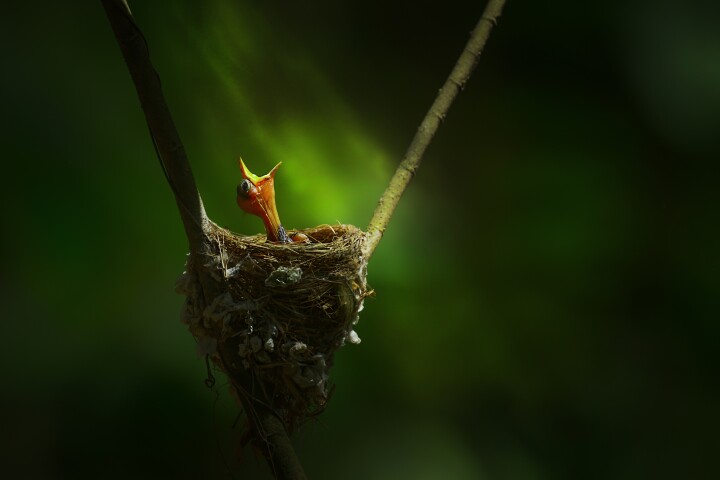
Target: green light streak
<point x="282" y="109"/>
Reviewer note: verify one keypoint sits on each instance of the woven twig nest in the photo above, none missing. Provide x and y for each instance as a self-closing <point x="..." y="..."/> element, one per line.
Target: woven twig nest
<point x="284" y="311"/>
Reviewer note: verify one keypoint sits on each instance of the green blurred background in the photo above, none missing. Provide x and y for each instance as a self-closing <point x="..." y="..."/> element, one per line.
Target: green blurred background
<point x="547" y="292"/>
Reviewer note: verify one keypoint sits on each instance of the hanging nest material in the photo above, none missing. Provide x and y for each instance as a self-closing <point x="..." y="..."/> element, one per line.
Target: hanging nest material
<point x="285" y="311"/>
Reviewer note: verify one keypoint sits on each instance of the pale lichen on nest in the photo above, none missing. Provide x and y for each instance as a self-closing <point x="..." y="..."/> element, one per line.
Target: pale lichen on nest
<point x="285" y="310"/>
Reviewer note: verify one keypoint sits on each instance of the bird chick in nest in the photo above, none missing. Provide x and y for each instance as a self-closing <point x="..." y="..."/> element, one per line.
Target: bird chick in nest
<point x="256" y="195"/>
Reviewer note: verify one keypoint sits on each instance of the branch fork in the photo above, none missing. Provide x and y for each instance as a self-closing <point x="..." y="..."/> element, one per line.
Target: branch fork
<point x="267" y="426"/>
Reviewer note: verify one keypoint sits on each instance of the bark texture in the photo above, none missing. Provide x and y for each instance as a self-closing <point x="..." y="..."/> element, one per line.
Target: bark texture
<point x="426" y="131"/>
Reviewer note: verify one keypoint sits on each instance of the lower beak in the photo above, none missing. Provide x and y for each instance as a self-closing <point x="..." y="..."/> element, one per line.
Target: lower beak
<point x="273" y="225"/>
<point x="271" y="219"/>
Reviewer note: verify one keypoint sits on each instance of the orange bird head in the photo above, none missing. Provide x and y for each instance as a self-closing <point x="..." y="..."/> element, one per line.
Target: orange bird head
<point x="256" y="195"/>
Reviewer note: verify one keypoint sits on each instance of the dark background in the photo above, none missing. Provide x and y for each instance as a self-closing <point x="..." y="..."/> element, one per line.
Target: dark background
<point x="547" y="292"/>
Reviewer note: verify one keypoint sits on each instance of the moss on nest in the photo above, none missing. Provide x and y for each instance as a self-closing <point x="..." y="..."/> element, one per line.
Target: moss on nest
<point x="285" y="310"/>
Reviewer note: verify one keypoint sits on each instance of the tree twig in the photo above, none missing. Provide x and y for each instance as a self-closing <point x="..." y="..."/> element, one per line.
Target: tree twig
<point x="165" y="136"/>
<point x="425" y="132"/>
<point x="268" y="428"/>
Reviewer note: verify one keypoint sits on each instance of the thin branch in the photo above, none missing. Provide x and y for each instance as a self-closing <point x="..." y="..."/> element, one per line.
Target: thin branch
<point x="268" y="427"/>
<point x="165" y="136"/>
<point x="425" y="132"/>
<point x="269" y="432"/>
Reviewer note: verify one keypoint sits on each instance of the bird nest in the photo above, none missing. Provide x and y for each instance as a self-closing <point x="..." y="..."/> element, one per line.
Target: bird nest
<point x="284" y="310"/>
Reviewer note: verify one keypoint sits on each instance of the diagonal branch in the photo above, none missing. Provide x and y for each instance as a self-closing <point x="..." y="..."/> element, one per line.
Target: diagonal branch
<point x="425" y="132"/>
<point x="165" y="136"/>
<point x="268" y="428"/>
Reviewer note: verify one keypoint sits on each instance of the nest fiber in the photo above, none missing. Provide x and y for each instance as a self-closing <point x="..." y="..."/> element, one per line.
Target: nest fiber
<point x="283" y="312"/>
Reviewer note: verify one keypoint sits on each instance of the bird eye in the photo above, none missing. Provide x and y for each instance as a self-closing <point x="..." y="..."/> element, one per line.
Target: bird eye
<point x="244" y="188"/>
